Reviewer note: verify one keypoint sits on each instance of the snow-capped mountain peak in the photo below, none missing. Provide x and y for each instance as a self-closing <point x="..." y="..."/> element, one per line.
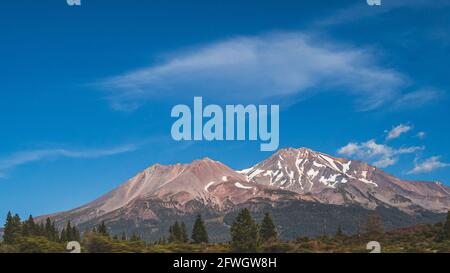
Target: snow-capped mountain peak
<point x="289" y="175"/>
<point x="304" y="170"/>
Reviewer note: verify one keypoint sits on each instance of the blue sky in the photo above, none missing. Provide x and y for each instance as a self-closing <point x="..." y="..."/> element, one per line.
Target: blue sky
<point x="87" y="91"/>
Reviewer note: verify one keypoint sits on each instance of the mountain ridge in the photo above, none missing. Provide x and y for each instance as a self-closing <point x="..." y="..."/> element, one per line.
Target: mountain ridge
<point x="290" y="178"/>
<point x="306" y="171"/>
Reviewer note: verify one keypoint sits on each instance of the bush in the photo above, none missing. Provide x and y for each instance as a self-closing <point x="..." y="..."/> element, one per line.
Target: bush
<point x="277" y="247"/>
<point x="37" y="245"/>
<point x="97" y="243"/>
<point x="8" y="248"/>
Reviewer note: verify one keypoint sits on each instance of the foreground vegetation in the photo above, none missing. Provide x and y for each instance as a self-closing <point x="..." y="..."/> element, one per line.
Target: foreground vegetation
<point x="246" y="236"/>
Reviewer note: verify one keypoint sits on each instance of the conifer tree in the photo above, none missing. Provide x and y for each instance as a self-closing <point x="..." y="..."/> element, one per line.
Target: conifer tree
<point x="244" y="232"/>
<point x="48" y="229"/>
<point x="184" y="238"/>
<point x="171" y="237"/>
<point x="268" y="231"/>
<point x="178" y="233"/>
<point x="41" y="229"/>
<point x="102" y="229"/>
<point x="12" y="229"/>
<point x="161" y="241"/>
<point x="29" y="227"/>
<point x="54" y="232"/>
<point x="68" y="233"/>
<point x="446" y="229"/>
<point x="199" y="232"/>
<point x="76" y="234"/>
<point x="63" y="236"/>
<point x="339" y="233"/>
<point x="135" y="238"/>
<point x="176" y="236"/>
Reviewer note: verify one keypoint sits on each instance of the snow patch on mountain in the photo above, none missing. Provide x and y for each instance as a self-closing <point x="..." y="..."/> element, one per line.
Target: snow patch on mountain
<point x="209" y="185"/>
<point x="312" y="173"/>
<point x="239" y="185"/>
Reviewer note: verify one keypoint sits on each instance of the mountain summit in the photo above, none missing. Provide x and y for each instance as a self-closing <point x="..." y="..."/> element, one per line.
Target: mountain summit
<point x="341" y="181"/>
<point x="295" y="184"/>
<point x="183" y="187"/>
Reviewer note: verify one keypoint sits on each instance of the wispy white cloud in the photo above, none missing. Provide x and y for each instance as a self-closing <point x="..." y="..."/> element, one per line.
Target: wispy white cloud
<point x="417" y="99"/>
<point x="273" y="66"/>
<point x="385" y="162"/>
<point x="421" y="135"/>
<point x="397" y="131"/>
<point x="25" y="157"/>
<point x="361" y="10"/>
<point x="379" y="155"/>
<point x="428" y="165"/>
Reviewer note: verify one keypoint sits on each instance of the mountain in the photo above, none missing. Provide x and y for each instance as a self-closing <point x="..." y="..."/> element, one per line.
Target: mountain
<point x="164" y="193"/>
<point x="341" y="181"/>
<point x="307" y="192"/>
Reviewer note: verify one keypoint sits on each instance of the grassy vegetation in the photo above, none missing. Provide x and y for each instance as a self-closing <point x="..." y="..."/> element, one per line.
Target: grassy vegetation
<point x="430" y="238"/>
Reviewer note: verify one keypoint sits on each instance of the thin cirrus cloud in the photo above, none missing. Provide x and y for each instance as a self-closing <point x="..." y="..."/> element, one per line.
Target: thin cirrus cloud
<point x="428" y="165"/>
<point x="25" y="157"/>
<point x="258" y="68"/>
<point x="417" y="99"/>
<point x="380" y="155"/>
<point x="362" y="10"/>
<point x="397" y="131"/>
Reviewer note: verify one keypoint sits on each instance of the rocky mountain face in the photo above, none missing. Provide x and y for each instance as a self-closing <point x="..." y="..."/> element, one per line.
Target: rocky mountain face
<point x="182" y="188"/>
<point x="307" y="192"/>
<point x="341" y="181"/>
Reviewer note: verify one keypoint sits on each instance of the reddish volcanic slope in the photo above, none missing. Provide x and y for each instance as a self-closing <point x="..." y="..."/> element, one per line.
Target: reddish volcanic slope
<point x="342" y="181"/>
<point x="288" y="175"/>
